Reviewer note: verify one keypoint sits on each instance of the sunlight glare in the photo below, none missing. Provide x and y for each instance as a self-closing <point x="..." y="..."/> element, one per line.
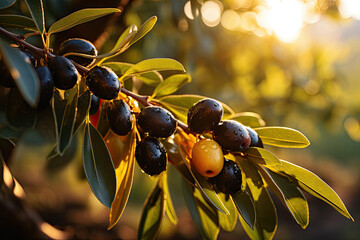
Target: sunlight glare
<point x="188" y="11"/>
<point x="211" y="13"/>
<point x="230" y="20"/>
<point x="350" y="8"/>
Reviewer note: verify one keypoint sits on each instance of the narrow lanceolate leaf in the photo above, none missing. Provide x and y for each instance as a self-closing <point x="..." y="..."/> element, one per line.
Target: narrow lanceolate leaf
<point x="170" y="210"/>
<point x="83" y="106"/>
<point x="152" y="214"/>
<point x="179" y="105"/>
<point x="262" y="156"/>
<point x="79" y="17"/>
<point x="289" y="194"/>
<point x="1" y="169"/>
<point x="171" y="84"/>
<point x="266" y="216"/>
<point x="64" y="110"/>
<point x="155" y="64"/>
<point x="6" y="3"/>
<point x="204" y="186"/>
<point x="124" y="173"/>
<point x="119" y="68"/>
<point x="143" y="30"/>
<point x="312" y="184"/>
<point x="245" y="206"/>
<point x="227" y="222"/>
<point x="17" y="21"/>
<point x="248" y="119"/>
<point x="98" y="166"/>
<point x="282" y="137"/>
<point x="203" y="215"/>
<point x="36" y="9"/>
<point x="23" y="73"/>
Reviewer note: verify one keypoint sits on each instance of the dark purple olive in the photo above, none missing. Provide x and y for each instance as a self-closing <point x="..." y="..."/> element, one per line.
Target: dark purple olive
<point x="119" y="117"/>
<point x="229" y="180"/>
<point x="103" y="82"/>
<point x="64" y="72"/>
<point x="255" y="139"/>
<point x="46" y="85"/>
<point x="78" y="45"/>
<point x="94" y="105"/>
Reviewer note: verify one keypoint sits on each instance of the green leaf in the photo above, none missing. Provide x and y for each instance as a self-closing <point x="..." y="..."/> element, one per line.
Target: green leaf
<point x="282" y="137"/>
<point x="266" y="216"/>
<point x="248" y="119"/>
<point x="289" y="194"/>
<point x="6" y="148"/>
<point x="180" y="105"/>
<point x="245" y="206"/>
<point x="36" y="9"/>
<point x="170" y="210"/>
<point x="152" y="214"/>
<point x="64" y="109"/>
<point x="155" y="64"/>
<point x="118" y="67"/>
<point x="261" y="156"/>
<point x="17" y="21"/>
<point x="171" y="84"/>
<point x="227" y="222"/>
<point x="83" y="106"/>
<point x="79" y="17"/>
<point x="18" y="113"/>
<point x="98" y="166"/>
<point x="23" y="73"/>
<point x="1" y="169"/>
<point x="103" y="124"/>
<point x="312" y="184"/>
<point x="151" y="78"/>
<point x="124" y="174"/>
<point x="204" y="186"/>
<point x="143" y="30"/>
<point x="202" y="214"/>
<point x="6" y="3"/>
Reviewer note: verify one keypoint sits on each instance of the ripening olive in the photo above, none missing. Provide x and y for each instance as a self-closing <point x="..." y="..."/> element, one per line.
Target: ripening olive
<point x="151" y="156"/>
<point x="119" y="117"/>
<point x="64" y="72"/>
<point x="204" y="115"/>
<point x="232" y="135"/>
<point x="255" y="139"/>
<point x="229" y="179"/>
<point x="78" y="45"/>
<point x="157" y="122"/>
<point x="207" y="158"/>
<point x="46" y="85"/>
<point x="103" y="82"/>
<point x="94" y="105"/>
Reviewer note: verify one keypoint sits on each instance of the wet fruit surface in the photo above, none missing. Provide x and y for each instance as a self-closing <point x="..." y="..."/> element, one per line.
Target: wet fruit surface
<point x="207" y="158"/>
<point x="46" y="85"/>
<point x="103" y="82"/>
<point x="78" y="45"/>
<point x="232" y="135"/>
<point x="151" y="156"/>
<point x="229" y="179"/>
<point x="255" y="139"/>
<point x="64" y="72"/>
<point x="204" y="115"/>
<point x="157" y="122"/>
<point x="94" y="105"/>
<point x="119" y="117"/>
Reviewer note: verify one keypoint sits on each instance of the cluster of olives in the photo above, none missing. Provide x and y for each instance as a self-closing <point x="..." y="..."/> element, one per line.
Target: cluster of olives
<point x="205" y="116"/>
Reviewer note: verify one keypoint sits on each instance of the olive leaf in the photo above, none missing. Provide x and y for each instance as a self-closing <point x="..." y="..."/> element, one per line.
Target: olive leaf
<point x="169" y="208"/>
<point x="124" y="175"/>
<point x="248" y="119"/>
<point x="23" y="73"/>
<point x="6" y="3"/>
<point x="245" y="206"/>
<point x="82" y="106"/>
<point x="261" y="156"/>
<point x="171" y="84"/>
<point x="312" y="184"/>
<point x="282" y="137"/>
<point x="152" y="214"/>
<point x="17" y="21"/>
<point x="36" y="9"/>
<point x="227" y="222"/>
<point x="98" y="166"/>
<point x="80" y="17"/>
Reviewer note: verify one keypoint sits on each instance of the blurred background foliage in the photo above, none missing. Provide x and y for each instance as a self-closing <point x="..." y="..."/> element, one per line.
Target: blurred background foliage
<point x="294" y="62"/>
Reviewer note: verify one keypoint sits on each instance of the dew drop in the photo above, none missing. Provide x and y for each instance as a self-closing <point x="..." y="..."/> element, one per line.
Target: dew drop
<point x="167" y="119"/>
<point x="202" y="147"/>
<point x="215" y="104"/>
<point x="235" y="132"/>
<point x="214" y="147"/>
<point x="206" y="150"/>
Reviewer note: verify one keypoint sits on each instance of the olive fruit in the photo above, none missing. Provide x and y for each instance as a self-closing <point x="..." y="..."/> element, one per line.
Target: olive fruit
<point x="78" y="45"/>
<point x="157" y="122"/>
<point x="232" y="135"/>
<point x="94" y="104"/>
<point x="119" y="117"/>
<point x="255" y="139"/>
<point x="229" y="179"/>
<point x="46" y="85"/>
<point x="204" y="115"/>
<point x="151" y="156"/>
<point x="207" y="158"/>
<point x="64" y="72"/>
<point x="103" y="82"/>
